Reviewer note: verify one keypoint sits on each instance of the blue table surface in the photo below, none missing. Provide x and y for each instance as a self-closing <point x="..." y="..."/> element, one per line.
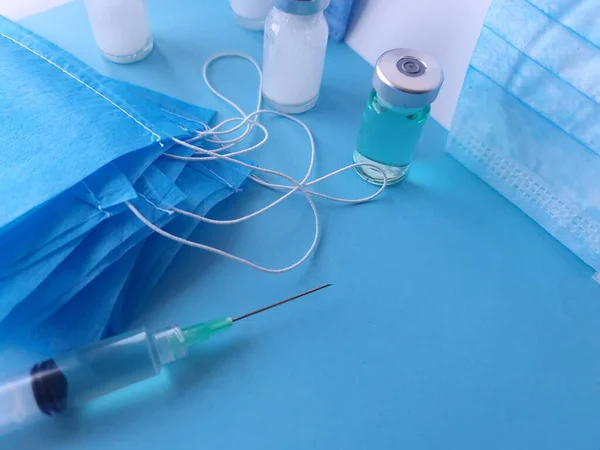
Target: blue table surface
<point x="454" y="321"/>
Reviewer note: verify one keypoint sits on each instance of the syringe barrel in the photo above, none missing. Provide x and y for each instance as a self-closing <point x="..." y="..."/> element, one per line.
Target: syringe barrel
<point x="108" y="365"/>
<point x="77" y="377"/>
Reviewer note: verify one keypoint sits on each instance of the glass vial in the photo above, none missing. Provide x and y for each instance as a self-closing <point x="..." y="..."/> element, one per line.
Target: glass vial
<point x="296" y="34"/>
<point x="251" y="14"/>
<point x="121" y="29"/>
<point x="405" y="84"/>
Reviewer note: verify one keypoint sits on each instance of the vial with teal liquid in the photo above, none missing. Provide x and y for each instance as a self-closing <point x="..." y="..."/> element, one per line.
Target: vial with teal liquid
<point x="405" y="84"/>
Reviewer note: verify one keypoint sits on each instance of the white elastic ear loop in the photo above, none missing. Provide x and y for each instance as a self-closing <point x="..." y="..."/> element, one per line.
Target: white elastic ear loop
<point x="203" y="151"/>
<point x="217" y="251"/>
<point x="351" y="201"/>
<point x="242" y="219"/>
<point x="298" y="186"/>
<point x="216" y="56"/>
<point x="205" y="67"/>
<point x="279" y="186"/>
<point x="292" y="189"/>
<point x="225" y="144"/>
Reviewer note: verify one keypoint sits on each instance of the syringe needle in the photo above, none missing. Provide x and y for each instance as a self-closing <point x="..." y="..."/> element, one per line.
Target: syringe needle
<point x="287" y="300"/>
<point x="46" y="388"/>
<point x="200" y="332"/>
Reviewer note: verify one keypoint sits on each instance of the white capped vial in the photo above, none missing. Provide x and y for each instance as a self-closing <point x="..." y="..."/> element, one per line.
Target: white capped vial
<point x="296" y="34"/>
<point x="121" y="29"/>
<point x="251" y="14"/>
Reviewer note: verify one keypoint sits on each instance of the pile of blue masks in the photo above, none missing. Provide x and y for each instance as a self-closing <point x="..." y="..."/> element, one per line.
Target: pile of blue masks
<point x="528" y="118"/>
<point x="75" y="263"/>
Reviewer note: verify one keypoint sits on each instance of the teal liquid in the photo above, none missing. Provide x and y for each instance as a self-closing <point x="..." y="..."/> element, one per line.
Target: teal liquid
<point x="388" y="138"/>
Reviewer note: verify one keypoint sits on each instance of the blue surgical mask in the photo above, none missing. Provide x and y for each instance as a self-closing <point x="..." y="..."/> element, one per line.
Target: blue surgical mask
<point x="45" y="217"/>
<point x="34" y="237"/>
<point x="207" y="184"/>
<point x="29" y="202"/>
<point x="45" y="98"/>
<point x="528" y="118"/>
<point x="120" y="289"/>
<point x="95" y="198"/>
<point x="81" y="320"/>
<point x="101" y="247"/>
<point x="15" y="288"/>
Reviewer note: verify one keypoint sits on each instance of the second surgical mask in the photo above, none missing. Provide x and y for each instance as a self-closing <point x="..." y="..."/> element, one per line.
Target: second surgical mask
<point x="528" y="118"/>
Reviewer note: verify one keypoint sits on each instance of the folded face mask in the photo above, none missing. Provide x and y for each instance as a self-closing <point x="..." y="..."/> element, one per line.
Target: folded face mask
<point x="528" y="118"/>
<point x="206" y="184"/>
<point x="82" y="207"/>
<point x="123" y="285"/>
<point x="15" y="288"/>
<point x="35" y="246"/>
<point x="100" y="248"/>
<point x="63" y="137"/>
<point x="20" y="277"/>
<point x="69" y="216"/>
<point x="172" y="116"/>
<point x="50" y="117"/>
<point x="83" y="319"/>
<point x="50" y="107"/>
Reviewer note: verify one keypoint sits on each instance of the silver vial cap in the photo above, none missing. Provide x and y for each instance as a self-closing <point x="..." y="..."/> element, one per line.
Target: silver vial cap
<point x="407" y="78"/>
<point x="301" y="7"/>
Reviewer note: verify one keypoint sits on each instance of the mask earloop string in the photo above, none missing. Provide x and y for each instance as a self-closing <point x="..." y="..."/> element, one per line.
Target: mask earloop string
<point x="209" y="153"/>
<point x="252" y="120"/>
<point x="217" y="251"/>
<point x="298" y="186"/>
<point x="352" y="201"/>
<point x="275" y="186"/>
<point x="230" y="102"/>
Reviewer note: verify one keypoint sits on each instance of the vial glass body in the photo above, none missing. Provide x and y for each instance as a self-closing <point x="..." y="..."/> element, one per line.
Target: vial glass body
<point x="121" y="29"/>
<point x="388" y="138"/>
<point x="251" y="14"/>
<point x="293" y="60"/>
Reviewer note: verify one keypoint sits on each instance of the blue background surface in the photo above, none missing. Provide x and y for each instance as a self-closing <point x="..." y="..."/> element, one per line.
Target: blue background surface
<point x="454" y="320"/>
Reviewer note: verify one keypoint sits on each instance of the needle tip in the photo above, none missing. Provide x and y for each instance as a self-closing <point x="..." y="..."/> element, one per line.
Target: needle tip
<point x="282" y="302"/>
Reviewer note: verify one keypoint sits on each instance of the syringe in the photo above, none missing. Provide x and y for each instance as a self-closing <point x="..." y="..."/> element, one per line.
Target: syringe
<point x="65" y="382"/>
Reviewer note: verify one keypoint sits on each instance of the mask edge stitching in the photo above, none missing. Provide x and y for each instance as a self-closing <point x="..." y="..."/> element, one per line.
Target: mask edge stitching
<point x="83" y="83"/>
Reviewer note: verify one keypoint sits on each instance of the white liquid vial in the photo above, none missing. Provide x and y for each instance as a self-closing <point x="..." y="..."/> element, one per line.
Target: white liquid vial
<point x="121" y="29"/>
<point x="251" y="14"/>
<point x="296" y="34"/>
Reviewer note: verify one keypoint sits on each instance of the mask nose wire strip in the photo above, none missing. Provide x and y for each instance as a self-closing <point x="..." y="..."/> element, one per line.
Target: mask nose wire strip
<point x="250" y="121"/>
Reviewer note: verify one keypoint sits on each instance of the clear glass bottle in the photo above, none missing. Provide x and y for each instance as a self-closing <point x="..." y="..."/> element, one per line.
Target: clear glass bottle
<point x="121" y="29"/>
<point x="251" y="14"/>
<point x="296" y="35"/>
<point x="405" y="84"/>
